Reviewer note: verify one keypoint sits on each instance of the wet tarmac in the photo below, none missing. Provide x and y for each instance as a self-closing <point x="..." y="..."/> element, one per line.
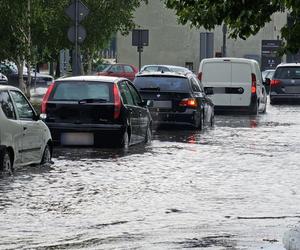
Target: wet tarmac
<point x="235" y="186"/>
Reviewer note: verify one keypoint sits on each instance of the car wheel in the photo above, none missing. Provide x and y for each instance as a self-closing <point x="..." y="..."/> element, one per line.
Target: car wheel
<point x="148" y="136"/>
<point x="212" y="120"/>
<point x="254" y="109"/>
<point x="272" y="102"/>
<point x="46" y="155"/>
<point x="6" y="164"/>
<point x="124" y="141"/>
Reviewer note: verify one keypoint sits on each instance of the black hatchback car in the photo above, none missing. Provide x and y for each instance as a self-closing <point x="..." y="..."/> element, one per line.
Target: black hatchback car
<point x="96" y="110"/>
<point x="178" y="99"/>
<point x="285" y="85"/>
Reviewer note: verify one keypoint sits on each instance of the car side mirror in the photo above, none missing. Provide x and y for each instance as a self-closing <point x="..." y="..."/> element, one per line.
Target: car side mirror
<point x="267" y="82"/>
<point x="149" y="103"/>
<point x="209" y="91"/>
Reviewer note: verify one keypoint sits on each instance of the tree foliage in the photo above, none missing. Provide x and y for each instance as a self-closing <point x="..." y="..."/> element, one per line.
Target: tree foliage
<point x="39" y="33"/>
<point x="243" y="17"/>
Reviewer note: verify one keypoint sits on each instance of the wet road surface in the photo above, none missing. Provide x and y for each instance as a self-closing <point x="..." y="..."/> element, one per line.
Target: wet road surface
<point x="235" y="186"/>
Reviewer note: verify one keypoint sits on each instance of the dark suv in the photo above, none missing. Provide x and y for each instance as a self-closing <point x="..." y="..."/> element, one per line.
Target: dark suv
<point x="96" y="110"/>
<point x="178" y="99"/>
<point x="285" y="85"/>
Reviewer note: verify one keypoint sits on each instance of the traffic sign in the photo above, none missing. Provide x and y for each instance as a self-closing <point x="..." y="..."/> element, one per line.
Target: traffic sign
<point x="83" y="11"/>
<point x="81" y="34"/>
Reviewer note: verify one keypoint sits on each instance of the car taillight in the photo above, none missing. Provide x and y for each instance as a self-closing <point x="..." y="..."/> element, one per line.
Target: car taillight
<point x="45" y="99"/>
<point x="275" y="82"/>
<point x="200" y="76"/>
<point x="253" y="85"/>
<point x="189" y="103"/>
<point x="117" y="101"/>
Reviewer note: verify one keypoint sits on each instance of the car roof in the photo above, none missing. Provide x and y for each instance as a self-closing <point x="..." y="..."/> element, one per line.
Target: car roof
<point x="233" y="59"/>
<point x="288" y="65"/>
<point x="110" y="79"/>
<point x="158" y="73"/>
<point x="8" y="87"/>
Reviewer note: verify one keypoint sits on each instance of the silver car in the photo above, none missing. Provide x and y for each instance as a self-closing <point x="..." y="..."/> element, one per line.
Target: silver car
<point x="24" y="138"/>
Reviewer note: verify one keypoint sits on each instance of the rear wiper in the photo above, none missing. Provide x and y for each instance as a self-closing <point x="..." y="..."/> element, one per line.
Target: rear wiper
<point x="91" y="100"/>
<point x="151" y="89"/>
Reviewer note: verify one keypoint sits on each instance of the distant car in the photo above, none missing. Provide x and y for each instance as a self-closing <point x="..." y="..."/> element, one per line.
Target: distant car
<point x="165" y="68"/>
<point x="11" y="71"/>
<point x="234" y="84"/>
<point x="3" y="79"/>
<point x="24" y="138"/>
<point x="102" y="67"/>
<point x="96" y="111"/>
<point x="177" y="99"/>
<point x="120" y="70"/>
<point x="285" y="85"/>
<point x="267" y="74"/>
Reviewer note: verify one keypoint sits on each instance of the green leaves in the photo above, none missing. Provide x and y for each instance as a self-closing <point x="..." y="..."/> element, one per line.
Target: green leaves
<point x="243" y="18"/>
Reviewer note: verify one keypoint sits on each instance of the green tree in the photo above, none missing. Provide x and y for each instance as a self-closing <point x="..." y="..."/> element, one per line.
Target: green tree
<point x="243" y="18"/>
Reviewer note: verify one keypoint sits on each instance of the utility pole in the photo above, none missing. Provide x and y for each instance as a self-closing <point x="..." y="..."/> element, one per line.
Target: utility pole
<point x="224" y="30"/>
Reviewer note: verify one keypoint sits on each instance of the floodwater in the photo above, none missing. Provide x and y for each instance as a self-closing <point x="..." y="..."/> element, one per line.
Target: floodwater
<point x="235" y="186"/>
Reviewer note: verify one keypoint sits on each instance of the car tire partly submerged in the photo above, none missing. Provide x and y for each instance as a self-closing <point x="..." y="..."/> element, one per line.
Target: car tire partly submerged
<point x="6" y="165"/>
<point x="46" y="155"/>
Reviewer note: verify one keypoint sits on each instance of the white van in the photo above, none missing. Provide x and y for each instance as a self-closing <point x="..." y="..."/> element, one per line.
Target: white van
<point x="233" y="84"/>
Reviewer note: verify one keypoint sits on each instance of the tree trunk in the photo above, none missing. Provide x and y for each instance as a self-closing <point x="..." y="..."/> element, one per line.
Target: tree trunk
<point x="20" y="66"/>
<point x="57" y="70"/>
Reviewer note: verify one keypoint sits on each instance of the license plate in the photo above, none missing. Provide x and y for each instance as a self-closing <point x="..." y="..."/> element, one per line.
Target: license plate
<point x="81" y="139"/>
<point x="162" y="104"/>
<point x="292" y="90"/>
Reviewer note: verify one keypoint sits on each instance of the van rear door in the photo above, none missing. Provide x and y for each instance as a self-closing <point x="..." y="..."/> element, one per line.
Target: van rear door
<point x="240" y="84"/>
<point x="217" y="75"/>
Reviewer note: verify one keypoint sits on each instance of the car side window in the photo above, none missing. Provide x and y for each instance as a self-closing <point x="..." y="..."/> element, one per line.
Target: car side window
<point x="195" y="86"/>
<point x="128" y="69"/>
<point x="136" y="97"/>
<point x="125" y="93"/>
<point x="7" y="105"/>
<point x="23" y="108"/>
<point x="116" y="68"/>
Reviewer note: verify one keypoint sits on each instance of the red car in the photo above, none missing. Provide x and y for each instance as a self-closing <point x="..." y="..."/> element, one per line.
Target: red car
<point x="120" y="70"/>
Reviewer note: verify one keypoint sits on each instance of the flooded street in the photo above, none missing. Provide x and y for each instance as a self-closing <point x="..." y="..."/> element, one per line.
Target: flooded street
<point x="235" y="186"/>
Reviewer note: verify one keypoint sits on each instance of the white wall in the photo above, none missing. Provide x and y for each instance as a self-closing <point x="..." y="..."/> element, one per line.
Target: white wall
<point x="171" y="43"/>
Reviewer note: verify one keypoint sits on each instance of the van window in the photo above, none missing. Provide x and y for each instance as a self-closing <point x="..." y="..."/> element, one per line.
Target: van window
<point x="241" y="73"/>
<point x="7" y="105"/>
<point x="216" y="72"/>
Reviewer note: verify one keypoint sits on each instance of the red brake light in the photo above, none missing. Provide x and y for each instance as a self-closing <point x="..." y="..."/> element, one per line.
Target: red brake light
<point x="45" y="98"/>
<point x="253" y="85"/>
<point x="200" y="76"/>
<point x="189" y="103"/>
<point x="117" y="101"/>
<point x="275" y="82"/>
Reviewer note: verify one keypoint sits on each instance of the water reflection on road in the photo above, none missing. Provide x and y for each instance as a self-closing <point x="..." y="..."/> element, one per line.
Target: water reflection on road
<point x="235" y="186"/>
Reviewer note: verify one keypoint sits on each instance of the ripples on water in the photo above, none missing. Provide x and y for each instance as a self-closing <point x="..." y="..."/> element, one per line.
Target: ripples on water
<point x="235" y="186"/>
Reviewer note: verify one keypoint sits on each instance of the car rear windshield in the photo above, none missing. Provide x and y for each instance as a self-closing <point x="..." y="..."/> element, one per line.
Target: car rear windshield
<point x="76" y="91"/>
<point x="162" y="83"/>
<point x="287" y="73"/>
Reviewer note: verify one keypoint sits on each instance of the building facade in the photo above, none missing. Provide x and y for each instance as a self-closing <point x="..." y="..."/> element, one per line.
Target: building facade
<point x="173" y="43"/>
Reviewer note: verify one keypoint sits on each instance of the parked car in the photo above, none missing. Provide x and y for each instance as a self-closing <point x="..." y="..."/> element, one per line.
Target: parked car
<point x="285" y="85"/>
<point x="11" y="71"/>
<point x="102" y="66"/>
<point x="24" y="138"/>
<point x="120" y="70"/>
<point x="267" y="74"/>
<point x="96" y="111"/>
<point x="177" y="99"/>
<point x="3" y="79"/>
<point x="165" y="68"/>
<point x="234" y="84"/>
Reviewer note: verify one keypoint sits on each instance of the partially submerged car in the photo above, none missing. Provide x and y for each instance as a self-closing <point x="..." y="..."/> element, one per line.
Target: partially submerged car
<point x="96" y="111"/>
